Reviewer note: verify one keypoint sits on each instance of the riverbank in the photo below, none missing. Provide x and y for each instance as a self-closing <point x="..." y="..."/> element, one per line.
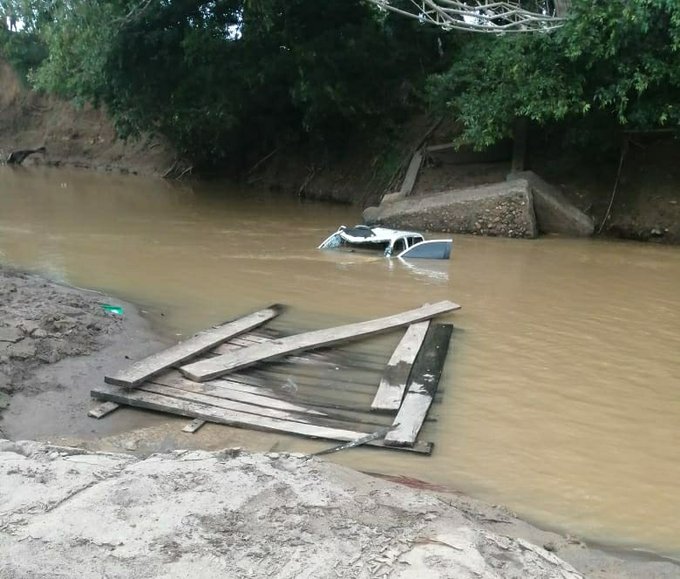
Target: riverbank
<point x="354" y="524"/>
<point x="55" y="342"/>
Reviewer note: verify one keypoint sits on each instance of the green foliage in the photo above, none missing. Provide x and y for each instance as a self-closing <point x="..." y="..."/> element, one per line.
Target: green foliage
<point x="617" y="58"/>
<point x="231" y="79"/>
<point x="20" y="43"/>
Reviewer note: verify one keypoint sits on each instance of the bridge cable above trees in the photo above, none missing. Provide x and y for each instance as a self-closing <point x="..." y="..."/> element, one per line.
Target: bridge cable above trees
<point x="486" y="16"/>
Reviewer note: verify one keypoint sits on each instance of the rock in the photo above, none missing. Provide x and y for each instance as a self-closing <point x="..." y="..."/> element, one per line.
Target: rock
<point x="554" y="212"/>
<point x="39" y="333"/>
<point x="22" y="350"/>
<point x="130" y="444"/>
<point x="10" y="334"/>
<point x="501" y="209"/>
<point x="28" y="327"/>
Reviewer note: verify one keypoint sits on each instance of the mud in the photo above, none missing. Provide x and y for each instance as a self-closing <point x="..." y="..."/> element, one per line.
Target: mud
<point x="55" y="343"/>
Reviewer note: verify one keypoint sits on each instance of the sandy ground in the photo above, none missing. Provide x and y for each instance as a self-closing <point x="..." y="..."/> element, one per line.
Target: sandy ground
<point x="68" y="512"/>
<point x="232" y="514"/>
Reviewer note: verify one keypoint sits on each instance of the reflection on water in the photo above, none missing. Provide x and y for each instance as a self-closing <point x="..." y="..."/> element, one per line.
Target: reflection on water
<point x="561" y="397"/>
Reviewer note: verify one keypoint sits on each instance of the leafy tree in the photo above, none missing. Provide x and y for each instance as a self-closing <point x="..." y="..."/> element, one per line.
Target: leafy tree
<point x="615" y="60"/>
<point x="230" y="79"/>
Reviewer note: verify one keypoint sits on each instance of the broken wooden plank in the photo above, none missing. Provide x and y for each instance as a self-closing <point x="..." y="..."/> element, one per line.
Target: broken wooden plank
<point x="325" y="360"/>
<point x="193" y="426"/>
<point x="380" y="433"/>
<point x="150" y="401"/>
<point x="393" y="383"/>
<point x="411" y="174"/>
<point x="202" y="342"/>
<point x="224" y="389"/>
<point x="103" y="409"/>
<point x="305" y="415"/>
<point x="425" y="375"/>
<point x="214" y="367"/>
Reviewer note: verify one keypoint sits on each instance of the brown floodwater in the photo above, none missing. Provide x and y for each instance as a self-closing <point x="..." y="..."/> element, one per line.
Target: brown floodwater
<point x="561" y="394"/>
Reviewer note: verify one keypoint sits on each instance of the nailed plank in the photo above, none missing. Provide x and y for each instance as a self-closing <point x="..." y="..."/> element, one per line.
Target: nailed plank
<point x="306" y="416"/>
<point x="224" y="389"/>
<point x="103" y="409"/>
<point x="393" y="383"/>
<point x="150" y="401"/>
<point x="220" y="365"/>
<point x="411" y="174"/>
<point x="221" y="402"/>
<point x="202" y="342"/>
<point x="323" y="360"/>
<point x="425" y="375"/>
<point x="193" y="426"/>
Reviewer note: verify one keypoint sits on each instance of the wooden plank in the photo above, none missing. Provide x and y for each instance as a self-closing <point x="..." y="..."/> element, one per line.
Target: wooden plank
<point x="202" y="342"/>
<point x="411" y="174"/>
<point x="140" y="399"/>
<point x="214" y="367"/>
<point x="244" y="407"/>
<point x="103" y="409"/>
<point x="425" y="375"/>
<point x="193" y="426"/>
<point x="305" y="416"/>
<point x="223" y="389"/>
<point x="393" y="383"/>
<point x="322" y="360"/>
<point x="439" y="148"/>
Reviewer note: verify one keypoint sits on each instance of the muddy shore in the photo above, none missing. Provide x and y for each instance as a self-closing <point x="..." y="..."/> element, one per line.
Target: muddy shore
<point x="295" y="517"/>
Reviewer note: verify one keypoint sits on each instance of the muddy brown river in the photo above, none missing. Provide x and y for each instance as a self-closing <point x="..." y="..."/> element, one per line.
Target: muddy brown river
<point x="561" y="395"/>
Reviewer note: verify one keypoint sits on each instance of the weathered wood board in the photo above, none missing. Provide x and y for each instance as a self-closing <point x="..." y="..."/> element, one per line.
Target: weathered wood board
<point x="259" y="397"/>
<point x="209" y="413"/>
<point x="103" y="409"/>
<point x="422" y="386"/>
<point x="225" y="391"/>
<point x="151" y="365"/>
<point x="393" y="383"/>
<point x="214" y="367"/>
<point x="193" y="426"/>
<point x="411" y="174"/>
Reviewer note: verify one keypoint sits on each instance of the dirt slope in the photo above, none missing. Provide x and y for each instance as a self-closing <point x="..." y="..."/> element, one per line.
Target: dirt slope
<point x="80" y="137"/>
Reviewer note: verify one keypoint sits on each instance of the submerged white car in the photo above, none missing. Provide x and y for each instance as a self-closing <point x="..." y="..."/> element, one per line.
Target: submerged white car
<point x="392" y="242"/>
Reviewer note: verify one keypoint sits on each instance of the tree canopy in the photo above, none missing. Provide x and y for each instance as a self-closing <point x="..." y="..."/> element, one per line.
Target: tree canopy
<point x="614" y="62"/>
<point x="226" y="80"/>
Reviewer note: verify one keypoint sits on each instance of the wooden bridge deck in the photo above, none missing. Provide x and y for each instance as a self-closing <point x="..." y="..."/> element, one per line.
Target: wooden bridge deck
<point x="330" y="393"/>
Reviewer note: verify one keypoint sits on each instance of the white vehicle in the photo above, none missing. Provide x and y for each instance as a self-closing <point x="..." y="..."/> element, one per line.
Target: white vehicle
<point x="392" y="242"/>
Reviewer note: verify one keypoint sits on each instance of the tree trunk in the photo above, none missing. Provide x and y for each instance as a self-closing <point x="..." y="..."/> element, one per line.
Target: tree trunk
<point x="562" y="8"/>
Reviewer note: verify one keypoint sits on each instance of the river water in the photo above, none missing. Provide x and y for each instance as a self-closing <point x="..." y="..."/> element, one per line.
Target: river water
<point x="561" y="395"/>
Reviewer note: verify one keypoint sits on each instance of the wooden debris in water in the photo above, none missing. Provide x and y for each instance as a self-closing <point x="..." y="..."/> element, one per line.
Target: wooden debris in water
<point x="380" y="433"/>
<point x="220" y="365"/>
<point x="327" y="394"/>
<point x="200" y="343"/>
<point x="425" y="376"/>
<point x="103" y="409"/>
<point x="193" y="426"/>
<point x="393" y="383"/>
